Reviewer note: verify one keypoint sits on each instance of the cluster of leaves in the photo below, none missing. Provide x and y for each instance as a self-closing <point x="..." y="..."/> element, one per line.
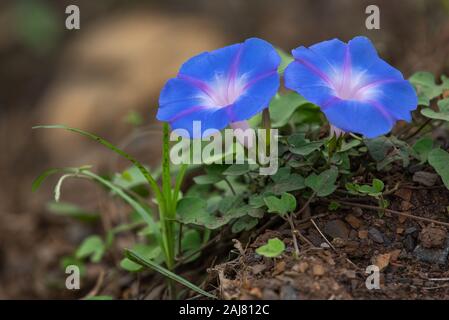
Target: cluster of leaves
<point x="312" y="165"/>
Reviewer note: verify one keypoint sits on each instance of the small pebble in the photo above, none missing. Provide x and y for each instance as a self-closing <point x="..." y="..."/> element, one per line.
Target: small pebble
<point x="375" y="235"/>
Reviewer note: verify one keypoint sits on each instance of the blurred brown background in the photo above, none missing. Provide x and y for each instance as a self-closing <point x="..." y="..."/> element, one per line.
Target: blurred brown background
<point x="94" y="77"/>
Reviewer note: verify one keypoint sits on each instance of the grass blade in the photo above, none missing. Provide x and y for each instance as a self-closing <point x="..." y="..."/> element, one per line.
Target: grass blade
<point x="135" y="257"/>
<point x="44" y="175"/>
<point x="112" y="147"/>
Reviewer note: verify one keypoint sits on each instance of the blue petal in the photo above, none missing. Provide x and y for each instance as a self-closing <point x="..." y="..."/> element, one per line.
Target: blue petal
<point x="215" y="119"/>
<point x="209" y="65"/>
<point x="308" y="82"/>
<point x="398" y="97"/>
<point x="182" y="100"/>
<point x="362" y="52"/>
<point x="258" y="59"/>
<point x="256" y="98"/>
<point x="369" y="119"/>
<point x="333" y="52"/>
<point x="364" y="59"/>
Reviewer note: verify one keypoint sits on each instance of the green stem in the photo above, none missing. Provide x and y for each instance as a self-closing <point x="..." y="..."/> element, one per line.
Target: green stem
<point x="167" y="208"/>
<point x="266" y="123"/>
<point x="230" y="186"/>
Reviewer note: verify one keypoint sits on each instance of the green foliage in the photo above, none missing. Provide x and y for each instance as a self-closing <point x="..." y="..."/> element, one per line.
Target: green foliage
<point x="283" y="205"/>
<point x="286" y="59"/>
<point x="214" y="174"/>
<point x="301" y="146"/>
<point x="310" y="164"/>
<point x="422" y="148"/>
<point x="374" y="190"/>
<point x="285" y="181"/>
<point x="237" y="169"/>
<point x="283" y="106"/>
<point x="333" y="206"/>
<point x="324" y="183"/>
<point x="139" y="259"/>
<point x="439" y="160"/>
<point x="37" y="25"/>
<point x="441" y="114"/>
<point x="92" y="247"/>
<point x="386" y="150"/>
<point x="152" y="252"/>
<point x="274" y="248"/>
<point x="166" y="196"/>
<point x="427" y="89"/>
<point x="210" y="213"/>
<point x="245" y="223"/>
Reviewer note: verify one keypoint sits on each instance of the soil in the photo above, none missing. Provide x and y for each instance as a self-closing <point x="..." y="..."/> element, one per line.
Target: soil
<point x="412" y="255"/>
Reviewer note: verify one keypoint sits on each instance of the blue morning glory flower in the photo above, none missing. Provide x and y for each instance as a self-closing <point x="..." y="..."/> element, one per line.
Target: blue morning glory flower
<point x="221" y="87"/>
<point x="356" y="90"/>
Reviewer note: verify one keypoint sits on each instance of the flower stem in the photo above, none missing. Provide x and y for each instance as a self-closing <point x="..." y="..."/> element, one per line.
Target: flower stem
<point x="266" y="123"/>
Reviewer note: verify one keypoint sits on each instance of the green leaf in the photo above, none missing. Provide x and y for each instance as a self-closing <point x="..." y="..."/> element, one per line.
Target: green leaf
<point x="207" y="179"/>
<point x="272" y="249"/>
<point x="73" y="211"/>
<point x="378" y="147"/>
<point x="148" y="251"/>
<point x="301" y="146"/>
<point x="283" y="106"/>
<point x="92" y="247"/>
<point x="137" y="258"/>
<point x="426" y="88"/>
<point x="442" y="114"/>
<point x="439" y="160"/>
<point x="256" y="201"/>
<point x="191" y="243"/>
<point x="286" y="59"/>
<point x="44" y="175"/>
<point x="374" y="190"/>
<point x="244" y="223"/>
<point x="422" y="148"/>
<point x="349" y="145"/>
<point x="285" y="181"/>
<point x="324" y="183"/>
<point x="333" y="206"/>
<point x="214" y="174"/>
<point x="378" y="185"/>
<point x="191" y="239"/>
<point x="283" y="205"/>
<point x="193" y="210"/>
<point x="237" y="169"/>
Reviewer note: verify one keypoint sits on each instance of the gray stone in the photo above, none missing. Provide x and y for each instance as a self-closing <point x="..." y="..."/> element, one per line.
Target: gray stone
<point x="435" y="256"/>
<point x="409" y="243"/>
<point x="288" y="293"/>
<point x="375" y="235"/>
<point x="425" y="178"/>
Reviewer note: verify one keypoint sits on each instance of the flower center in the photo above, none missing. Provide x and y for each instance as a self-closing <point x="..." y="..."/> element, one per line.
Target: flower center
<point x="351" y="87"/>
<point x="225" y="91"/>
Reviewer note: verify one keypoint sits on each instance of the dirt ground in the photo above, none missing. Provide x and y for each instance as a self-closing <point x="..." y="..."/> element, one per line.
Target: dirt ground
<point x="334" y="253"/>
